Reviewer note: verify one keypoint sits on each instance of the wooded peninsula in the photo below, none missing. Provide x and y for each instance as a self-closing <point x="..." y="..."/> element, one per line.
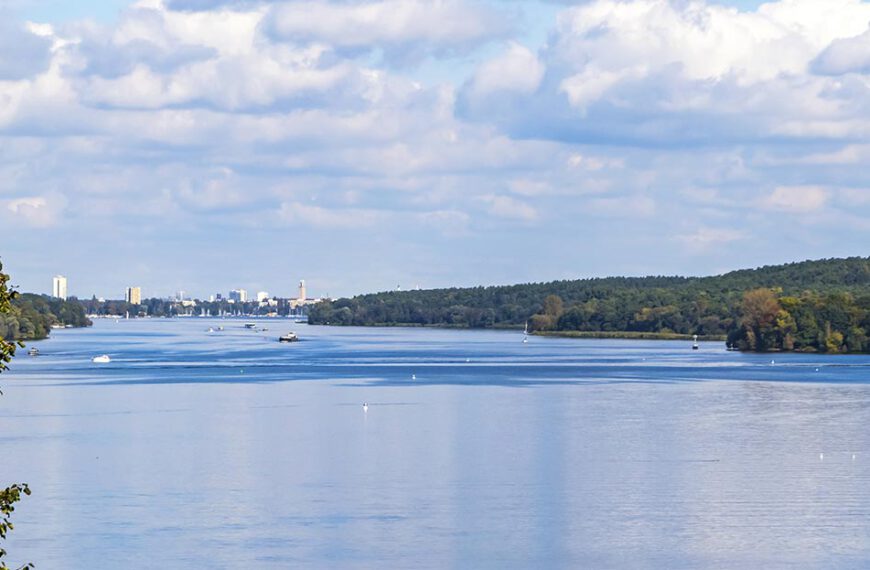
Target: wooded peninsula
<point x="32" y="316"/>
<point x="810" y="306"/>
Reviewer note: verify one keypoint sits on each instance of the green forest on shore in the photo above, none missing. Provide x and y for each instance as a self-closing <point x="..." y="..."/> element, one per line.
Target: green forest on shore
<point x="811" y="306"/>
<point x="31" y="317"/>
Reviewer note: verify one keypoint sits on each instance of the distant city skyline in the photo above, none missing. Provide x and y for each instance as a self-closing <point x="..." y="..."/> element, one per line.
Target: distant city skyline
<point x="210" y="145"/>
<point x="134" y="294"/>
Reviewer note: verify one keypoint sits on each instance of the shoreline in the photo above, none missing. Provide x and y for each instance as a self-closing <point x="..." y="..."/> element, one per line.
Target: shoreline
<point x="629" y="335"/>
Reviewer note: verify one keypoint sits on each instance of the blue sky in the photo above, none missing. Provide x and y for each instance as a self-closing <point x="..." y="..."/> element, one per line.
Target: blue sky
<point x="206" y="145"/>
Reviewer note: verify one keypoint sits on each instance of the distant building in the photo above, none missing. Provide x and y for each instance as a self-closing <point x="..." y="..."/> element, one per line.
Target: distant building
<point x="302" y="299"/>
<point x="58" y="287"/>
<point x="238" y="295"/>
<point x="133" y="295"/>
<point x="262" y="296"/>
<point x="211" y="298"/>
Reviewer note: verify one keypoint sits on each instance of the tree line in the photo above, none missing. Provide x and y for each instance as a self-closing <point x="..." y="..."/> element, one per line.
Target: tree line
<point x="812" y="305"/>
<point x="31" y="317"/>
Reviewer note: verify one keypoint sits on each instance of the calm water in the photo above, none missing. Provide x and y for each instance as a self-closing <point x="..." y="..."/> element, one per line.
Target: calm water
<point x="226" y="450"/>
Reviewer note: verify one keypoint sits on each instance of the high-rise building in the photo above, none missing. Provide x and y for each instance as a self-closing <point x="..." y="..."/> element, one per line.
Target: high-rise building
<point x="133" y="295"/>
<point x="262" y="296"/>
<point x="238" y="295"/>
<point x="302" y="290"/>
<point x="58" y="287"/>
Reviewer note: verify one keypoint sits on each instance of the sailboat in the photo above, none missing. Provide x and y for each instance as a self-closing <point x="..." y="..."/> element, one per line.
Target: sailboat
<point x="526" y="333"/>
<point x="694" y="342"/>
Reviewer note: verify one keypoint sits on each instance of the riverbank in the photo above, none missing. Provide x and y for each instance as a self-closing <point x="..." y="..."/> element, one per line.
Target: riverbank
<point x="635" y="335"/>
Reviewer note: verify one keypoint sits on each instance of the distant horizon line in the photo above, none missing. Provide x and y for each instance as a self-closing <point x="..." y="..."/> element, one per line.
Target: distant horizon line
<point x="398" y="288"/>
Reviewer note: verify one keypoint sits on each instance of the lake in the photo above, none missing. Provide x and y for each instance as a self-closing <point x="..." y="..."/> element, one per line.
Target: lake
<point x="227" y="449"/>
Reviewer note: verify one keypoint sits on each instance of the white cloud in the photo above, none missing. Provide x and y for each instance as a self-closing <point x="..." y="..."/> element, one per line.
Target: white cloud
<point x="706" y="238"/>
<point x="796" y="199"/>
<point x="627" y="207"/>
<point x="510" y="208"/>
<point x="36" y="211"/>
<point x="403" y="28"/>
<point x="846" y="55"/>
<point x="516" y="70"/>
<point x="297" y="213"/>
<point x="448" y="222"/>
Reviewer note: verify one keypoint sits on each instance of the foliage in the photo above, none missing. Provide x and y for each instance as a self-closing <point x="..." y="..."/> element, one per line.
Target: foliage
<point x="835" y="322"/>
<point x="7" y="347"/>
<point x="12" y="494"/>
<point x="811" y="305"/>
<point x="31" y="317"/>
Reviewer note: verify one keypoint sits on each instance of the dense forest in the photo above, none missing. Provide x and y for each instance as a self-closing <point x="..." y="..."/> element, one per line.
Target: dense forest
<point x="32" y="316"/>
<point x="812" y="306"/>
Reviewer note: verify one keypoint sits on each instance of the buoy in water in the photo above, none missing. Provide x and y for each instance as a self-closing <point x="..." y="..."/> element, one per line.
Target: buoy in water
<point x="366" y="407"/>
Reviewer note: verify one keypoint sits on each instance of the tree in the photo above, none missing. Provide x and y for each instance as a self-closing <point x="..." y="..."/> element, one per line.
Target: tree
<point x="760" y="310"/>
<point x="12" y="494"/>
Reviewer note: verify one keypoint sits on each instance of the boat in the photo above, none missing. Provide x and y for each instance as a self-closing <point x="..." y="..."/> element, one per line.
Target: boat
<point x="250" y="325"/>
<point x="289" y="337"/>
<point x="101" y="359"/>
<point x="33" y="351"/>
<point x="695" y="342"/>
<point x="526" y="333"/>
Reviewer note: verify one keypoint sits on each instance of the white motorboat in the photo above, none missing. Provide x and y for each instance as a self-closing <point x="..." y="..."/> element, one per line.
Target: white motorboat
<point x="101" y="359"/>
<point x="289" y="337"/>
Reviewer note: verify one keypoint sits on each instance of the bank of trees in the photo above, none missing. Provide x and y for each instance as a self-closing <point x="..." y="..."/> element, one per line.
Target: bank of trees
<point x="30" y="317"/>
<point x="810" y="322"/>
<point x="812" y="305"/>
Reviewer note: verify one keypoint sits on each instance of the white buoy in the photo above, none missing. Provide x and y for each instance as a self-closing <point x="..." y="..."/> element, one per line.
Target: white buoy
<point x="773" y="361"/>
<point x="817" y="369"/>
<point x="413" y="376"/>
<point x="366" y="407"/>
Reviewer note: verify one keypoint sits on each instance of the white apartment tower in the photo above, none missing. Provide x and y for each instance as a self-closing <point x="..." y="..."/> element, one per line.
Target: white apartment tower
<point x="58" y="287"/>
<point x="133" y="295"/>
<point x="302" y="290"/>
<point x="238" y="295"/>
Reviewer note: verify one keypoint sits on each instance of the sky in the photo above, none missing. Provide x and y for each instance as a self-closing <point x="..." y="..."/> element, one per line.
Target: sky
<point x="363" y="145"/>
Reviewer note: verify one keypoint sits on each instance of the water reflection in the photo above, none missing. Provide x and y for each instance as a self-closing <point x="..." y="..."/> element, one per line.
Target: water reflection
<point x="219" y="450"/>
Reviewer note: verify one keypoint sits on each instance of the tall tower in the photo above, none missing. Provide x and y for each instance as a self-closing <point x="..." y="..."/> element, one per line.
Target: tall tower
<point x="133" y="295"/>
<point x="302" y="290"/>
<point x="58" y="287"/>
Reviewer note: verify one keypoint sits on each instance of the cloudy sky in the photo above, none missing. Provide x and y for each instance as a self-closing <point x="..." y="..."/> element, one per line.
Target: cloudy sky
<point x="212" y="144"/>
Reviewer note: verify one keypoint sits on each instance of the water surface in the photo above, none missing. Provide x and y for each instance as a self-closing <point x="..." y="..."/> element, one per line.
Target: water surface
<point x="196" y="449"/>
